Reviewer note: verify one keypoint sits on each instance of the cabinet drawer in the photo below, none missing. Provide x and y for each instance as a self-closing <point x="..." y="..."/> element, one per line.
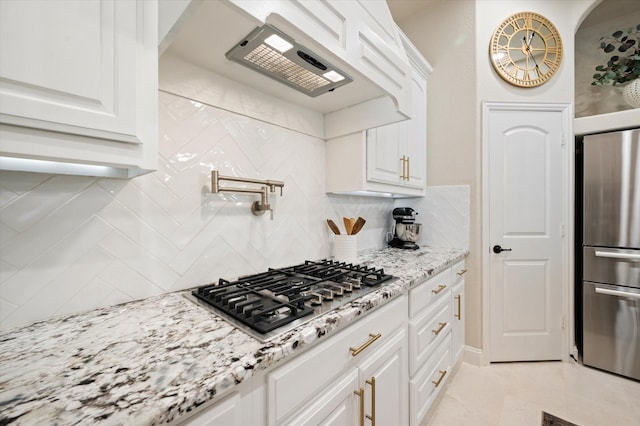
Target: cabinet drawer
<point x="286" y="393"/>
<point x="426" y="331"/>
<point x="429" y="381"/>
<point x="434" y="289"/>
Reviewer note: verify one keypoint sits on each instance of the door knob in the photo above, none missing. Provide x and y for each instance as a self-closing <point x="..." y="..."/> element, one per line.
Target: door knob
<point x="498" y="249"/>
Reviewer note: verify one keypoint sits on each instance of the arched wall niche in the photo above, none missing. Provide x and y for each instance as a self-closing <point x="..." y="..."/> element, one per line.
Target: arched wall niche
<point x="604" y="19"/>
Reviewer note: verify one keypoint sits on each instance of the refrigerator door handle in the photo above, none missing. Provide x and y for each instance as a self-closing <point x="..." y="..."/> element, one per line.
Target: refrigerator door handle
<point x="617" y="293"/>
<point x="617" y="255"/>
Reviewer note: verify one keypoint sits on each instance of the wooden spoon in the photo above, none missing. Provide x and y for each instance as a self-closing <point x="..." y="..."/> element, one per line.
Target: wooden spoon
<point x="357" y="226"/>
<point x="348" y="224"/>
<point x="333" y="226"/>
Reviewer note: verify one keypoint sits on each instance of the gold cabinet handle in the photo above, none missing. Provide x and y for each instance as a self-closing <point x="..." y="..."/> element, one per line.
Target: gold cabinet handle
<point x="442" y="374"/>
<point x="360" y="393"/>
<point x="372" y="417"/>
<point x="439" y="289"/>
<point x="442" y="325"/>
<point x="404" y="167"/>
<point x="461" y="272"/>
<point x="408" y="165"/>
<point x="373" y="338"/>
<point x="459" y="314"/>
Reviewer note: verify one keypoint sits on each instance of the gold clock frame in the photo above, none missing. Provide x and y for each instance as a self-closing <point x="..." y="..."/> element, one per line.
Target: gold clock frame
<point x="514" y="58"/>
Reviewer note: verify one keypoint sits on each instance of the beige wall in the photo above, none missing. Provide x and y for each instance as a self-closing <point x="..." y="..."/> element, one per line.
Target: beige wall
<point x="453" y="35"/>
<point x="445" y="34"/>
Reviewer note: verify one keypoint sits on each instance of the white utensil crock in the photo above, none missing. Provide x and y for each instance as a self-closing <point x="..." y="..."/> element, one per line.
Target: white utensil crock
<point x="345" y="248"/>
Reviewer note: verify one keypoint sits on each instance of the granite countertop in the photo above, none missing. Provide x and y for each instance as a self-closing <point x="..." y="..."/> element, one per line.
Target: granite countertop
<point x="149" y="361"/>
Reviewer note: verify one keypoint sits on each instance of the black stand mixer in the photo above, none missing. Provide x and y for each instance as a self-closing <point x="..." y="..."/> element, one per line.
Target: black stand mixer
<point x="406" y="231"/>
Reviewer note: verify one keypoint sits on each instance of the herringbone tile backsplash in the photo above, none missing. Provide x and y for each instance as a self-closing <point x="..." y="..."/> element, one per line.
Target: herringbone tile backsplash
<point x="69" y="244"/>
<point x="72" y="243"/>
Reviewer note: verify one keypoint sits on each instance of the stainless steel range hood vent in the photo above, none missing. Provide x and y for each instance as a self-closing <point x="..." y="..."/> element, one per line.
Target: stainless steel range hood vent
<point x="272" y="53"/>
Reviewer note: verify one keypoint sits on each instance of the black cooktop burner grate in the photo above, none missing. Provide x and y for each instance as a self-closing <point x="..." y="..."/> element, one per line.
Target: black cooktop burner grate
<point x="269" y="300"/>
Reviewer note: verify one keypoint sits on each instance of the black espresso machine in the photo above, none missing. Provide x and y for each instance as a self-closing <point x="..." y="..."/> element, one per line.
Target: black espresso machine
<point x="406" y="231"/>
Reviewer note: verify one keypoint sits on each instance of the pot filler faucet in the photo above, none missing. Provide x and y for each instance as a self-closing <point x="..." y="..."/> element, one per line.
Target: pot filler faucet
<point x="258" y="207"/>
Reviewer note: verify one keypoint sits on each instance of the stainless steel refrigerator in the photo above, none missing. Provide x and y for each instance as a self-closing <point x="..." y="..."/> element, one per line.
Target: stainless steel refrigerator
<point x="611" y="252"/>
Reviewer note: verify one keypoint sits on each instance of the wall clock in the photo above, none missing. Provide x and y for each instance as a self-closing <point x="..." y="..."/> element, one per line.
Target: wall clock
<point x="526" y="49"/>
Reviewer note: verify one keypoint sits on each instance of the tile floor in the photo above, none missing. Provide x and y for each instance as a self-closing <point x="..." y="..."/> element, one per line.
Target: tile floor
<point x="515" y="394"/>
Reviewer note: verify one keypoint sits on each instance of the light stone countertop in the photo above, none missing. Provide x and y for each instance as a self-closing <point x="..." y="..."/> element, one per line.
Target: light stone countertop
<point x="149" y="361"/>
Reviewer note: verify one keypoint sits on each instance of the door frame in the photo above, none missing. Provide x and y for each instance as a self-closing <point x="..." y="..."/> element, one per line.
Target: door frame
<point x="568" y="197"/>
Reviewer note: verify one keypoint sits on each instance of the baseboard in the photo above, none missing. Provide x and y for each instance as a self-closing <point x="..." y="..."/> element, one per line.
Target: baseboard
<point x="475" y="356"/>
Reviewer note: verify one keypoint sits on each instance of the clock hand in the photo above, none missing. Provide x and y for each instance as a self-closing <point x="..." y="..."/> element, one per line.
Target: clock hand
<point x="529" y="52"/>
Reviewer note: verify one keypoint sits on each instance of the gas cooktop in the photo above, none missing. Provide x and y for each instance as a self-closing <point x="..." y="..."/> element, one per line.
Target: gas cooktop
<point x="272" y="302"/>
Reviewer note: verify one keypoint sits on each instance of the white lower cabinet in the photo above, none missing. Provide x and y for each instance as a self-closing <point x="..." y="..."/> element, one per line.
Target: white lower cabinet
<point x="359" y="374"/>
<point x="429" y="381"/>
<point x="227" y="412"/>
<point x="436" y="337"/>
<point x="383" y="375"/>
<point x="388" y="368"/>
<point x="334" y="405"/>
<point x="241" y="407"/>
<point x="427" y="331"/>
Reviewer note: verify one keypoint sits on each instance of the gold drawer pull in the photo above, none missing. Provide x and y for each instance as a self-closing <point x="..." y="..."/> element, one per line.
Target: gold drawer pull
<point x="360" y="393"/>
<point x="442" y="325"/>
<point x="372" y="417"/>
<point x="408" y="170"/>
<point x="442" y="374"/>
<point x="461" y="272"/>
<point x="373" y="338"/>
<point x="439" y="289"/>
<point x="459" y="314"/>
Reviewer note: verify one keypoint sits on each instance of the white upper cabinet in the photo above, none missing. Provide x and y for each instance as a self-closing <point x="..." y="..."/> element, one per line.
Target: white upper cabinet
<point x="78" y="82"/>
<point x="397" y="153"/>
<point x="386" y="160"/>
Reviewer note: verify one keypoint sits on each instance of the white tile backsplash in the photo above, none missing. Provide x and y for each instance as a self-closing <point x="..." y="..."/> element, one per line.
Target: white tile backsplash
<point x="69" y="244"/>
<point x="445" y="214"/>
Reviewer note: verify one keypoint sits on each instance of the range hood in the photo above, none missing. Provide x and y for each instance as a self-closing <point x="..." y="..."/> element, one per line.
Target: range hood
<point x="347" y="54"/>
<point x="270" y="52"/>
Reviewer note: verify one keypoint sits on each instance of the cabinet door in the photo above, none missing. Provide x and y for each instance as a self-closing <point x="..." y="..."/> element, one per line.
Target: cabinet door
<point x="72" y="66"/>
<point x="338" y="405"/>
<point x="384" y="375"/>
<point x="228" y="412"/>
<point x="457" y="300"/>
<point x="384" y="163"/>
<point x="458" y="322"/>
<point x="416" y="141"/>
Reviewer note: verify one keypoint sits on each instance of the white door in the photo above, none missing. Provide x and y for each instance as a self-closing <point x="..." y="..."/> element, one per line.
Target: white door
<point x="525" y="184"/>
